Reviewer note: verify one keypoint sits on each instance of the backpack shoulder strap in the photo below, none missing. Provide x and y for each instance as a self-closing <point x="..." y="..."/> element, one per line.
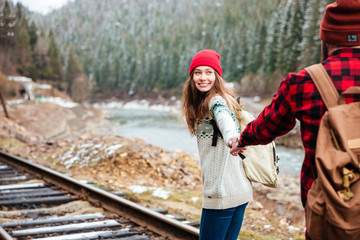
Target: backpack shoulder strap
<point x="324" y="84"/>
<point x="216" y="133"/>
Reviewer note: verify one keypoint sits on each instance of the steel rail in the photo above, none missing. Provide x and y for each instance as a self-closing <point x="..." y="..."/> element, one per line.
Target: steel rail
<point x="154" y="221"/>
<point x="4" y="235"/>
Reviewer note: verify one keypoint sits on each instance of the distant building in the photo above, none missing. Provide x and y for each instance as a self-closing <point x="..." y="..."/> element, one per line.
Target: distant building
<point x="26" y="86"/>
<point x="30" y="90"/>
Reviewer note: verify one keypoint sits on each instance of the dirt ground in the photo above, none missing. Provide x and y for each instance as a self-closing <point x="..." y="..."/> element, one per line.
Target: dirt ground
<point x="69" y="140"/>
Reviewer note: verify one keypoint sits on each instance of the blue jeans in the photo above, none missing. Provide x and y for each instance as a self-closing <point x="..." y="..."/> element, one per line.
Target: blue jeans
<point x="221" y="224"/>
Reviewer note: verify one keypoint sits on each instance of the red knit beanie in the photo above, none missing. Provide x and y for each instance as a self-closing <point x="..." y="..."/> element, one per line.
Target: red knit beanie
<point x="206" y="57"/>
<point x="340" y="24"/>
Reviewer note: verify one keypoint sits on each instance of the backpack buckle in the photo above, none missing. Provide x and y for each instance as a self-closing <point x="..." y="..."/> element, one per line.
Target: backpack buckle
<point x="346" y="194"/>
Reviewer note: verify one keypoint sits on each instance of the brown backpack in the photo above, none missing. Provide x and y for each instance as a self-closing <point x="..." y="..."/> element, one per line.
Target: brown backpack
<point x="333" y="202"/>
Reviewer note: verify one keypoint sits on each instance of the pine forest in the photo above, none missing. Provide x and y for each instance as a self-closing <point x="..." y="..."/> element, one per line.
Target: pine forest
<point x="127" y="47"/>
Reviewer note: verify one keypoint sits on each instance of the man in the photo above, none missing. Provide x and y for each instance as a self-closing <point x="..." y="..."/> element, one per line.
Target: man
<point x="298" y="98"/>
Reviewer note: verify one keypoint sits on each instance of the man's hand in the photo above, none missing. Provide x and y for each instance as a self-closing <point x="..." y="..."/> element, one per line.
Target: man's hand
<point x="235" y="150"/>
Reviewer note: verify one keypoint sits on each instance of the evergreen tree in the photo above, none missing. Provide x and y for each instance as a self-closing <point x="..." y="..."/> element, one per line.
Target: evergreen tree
<point x="257" y="48"/>
<point x="284" y="41"/>
<point x="73" y="66"/>
<point x="41" y="58"/>
<point x="32" y="32"/>
<point x="22" y="48"/>
<point x="272" y="42"/>
<point x="7" y="23"/>
<point x="294" y="37"/>
<point x="78" y="82"/>
<point x="55" y="63"/>
<point x="310" y="44"/>
<point x="7" y="37"/>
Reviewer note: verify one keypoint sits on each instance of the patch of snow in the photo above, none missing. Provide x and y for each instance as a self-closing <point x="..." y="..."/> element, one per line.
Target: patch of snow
<point x="194" y="199"/>
<point x="161" y="193"/>
<point x="19" y="79"/>
<point x="293" y="228"/>
<point x="95" y="159"/>
<point x="136" y="104"/>
<point x="43" y="86"/>
<point x="56" y="100"/>
<point x="113" y="148"/>
<point x="87" y="153"/>
<point x="59" y="101"/>
<point x="16" y="101"/>
<point x="71" y="161"/>
<point x="158" y="192"/>
<point x="86" y="145"/>
<point x="140" y="189"/>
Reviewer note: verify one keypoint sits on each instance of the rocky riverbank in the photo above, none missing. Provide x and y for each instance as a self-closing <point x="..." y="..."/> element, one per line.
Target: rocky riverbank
<point x="69" y="140"/>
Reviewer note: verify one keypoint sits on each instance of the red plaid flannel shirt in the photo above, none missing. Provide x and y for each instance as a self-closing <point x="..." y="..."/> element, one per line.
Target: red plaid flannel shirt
<point x="298" y="98"/>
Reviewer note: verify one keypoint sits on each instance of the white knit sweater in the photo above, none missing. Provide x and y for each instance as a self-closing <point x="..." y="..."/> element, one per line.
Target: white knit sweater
<point x="224" y="182"/>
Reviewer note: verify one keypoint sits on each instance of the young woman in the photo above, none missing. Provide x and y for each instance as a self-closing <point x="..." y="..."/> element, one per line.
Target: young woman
<point x="226" y="190"/>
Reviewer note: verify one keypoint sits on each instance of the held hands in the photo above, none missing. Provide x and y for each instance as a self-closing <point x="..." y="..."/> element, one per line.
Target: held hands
<point x="235" y="150"/>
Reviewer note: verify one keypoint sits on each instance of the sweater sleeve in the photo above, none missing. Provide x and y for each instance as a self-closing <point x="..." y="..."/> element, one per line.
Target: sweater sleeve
<point x="223" y="118"/>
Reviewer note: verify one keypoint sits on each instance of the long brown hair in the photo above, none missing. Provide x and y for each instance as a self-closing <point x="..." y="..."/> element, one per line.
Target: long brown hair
<point x="196" y="104"/>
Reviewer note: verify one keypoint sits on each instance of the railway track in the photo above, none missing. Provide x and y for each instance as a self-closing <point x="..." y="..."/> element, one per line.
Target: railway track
<point x="39" y="203"/>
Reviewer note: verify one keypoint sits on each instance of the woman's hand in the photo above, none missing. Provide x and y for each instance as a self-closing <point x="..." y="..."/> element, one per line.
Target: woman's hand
<point x="232" y="141"/>
<point x="235" y="150"/>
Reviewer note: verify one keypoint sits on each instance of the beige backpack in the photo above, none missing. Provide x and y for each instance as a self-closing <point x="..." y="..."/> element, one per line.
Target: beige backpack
<point x="333" y="202"/>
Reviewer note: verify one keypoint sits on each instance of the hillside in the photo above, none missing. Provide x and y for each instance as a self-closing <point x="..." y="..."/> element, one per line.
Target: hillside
<point x="124" y="48"/>
<point x="132" y="47"/>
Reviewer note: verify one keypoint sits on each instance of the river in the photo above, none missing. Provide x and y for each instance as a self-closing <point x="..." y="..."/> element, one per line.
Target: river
<point x="168" y="131"/>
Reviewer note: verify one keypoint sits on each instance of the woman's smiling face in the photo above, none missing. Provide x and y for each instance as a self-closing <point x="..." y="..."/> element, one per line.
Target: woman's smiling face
<point x="204" y="78"/>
